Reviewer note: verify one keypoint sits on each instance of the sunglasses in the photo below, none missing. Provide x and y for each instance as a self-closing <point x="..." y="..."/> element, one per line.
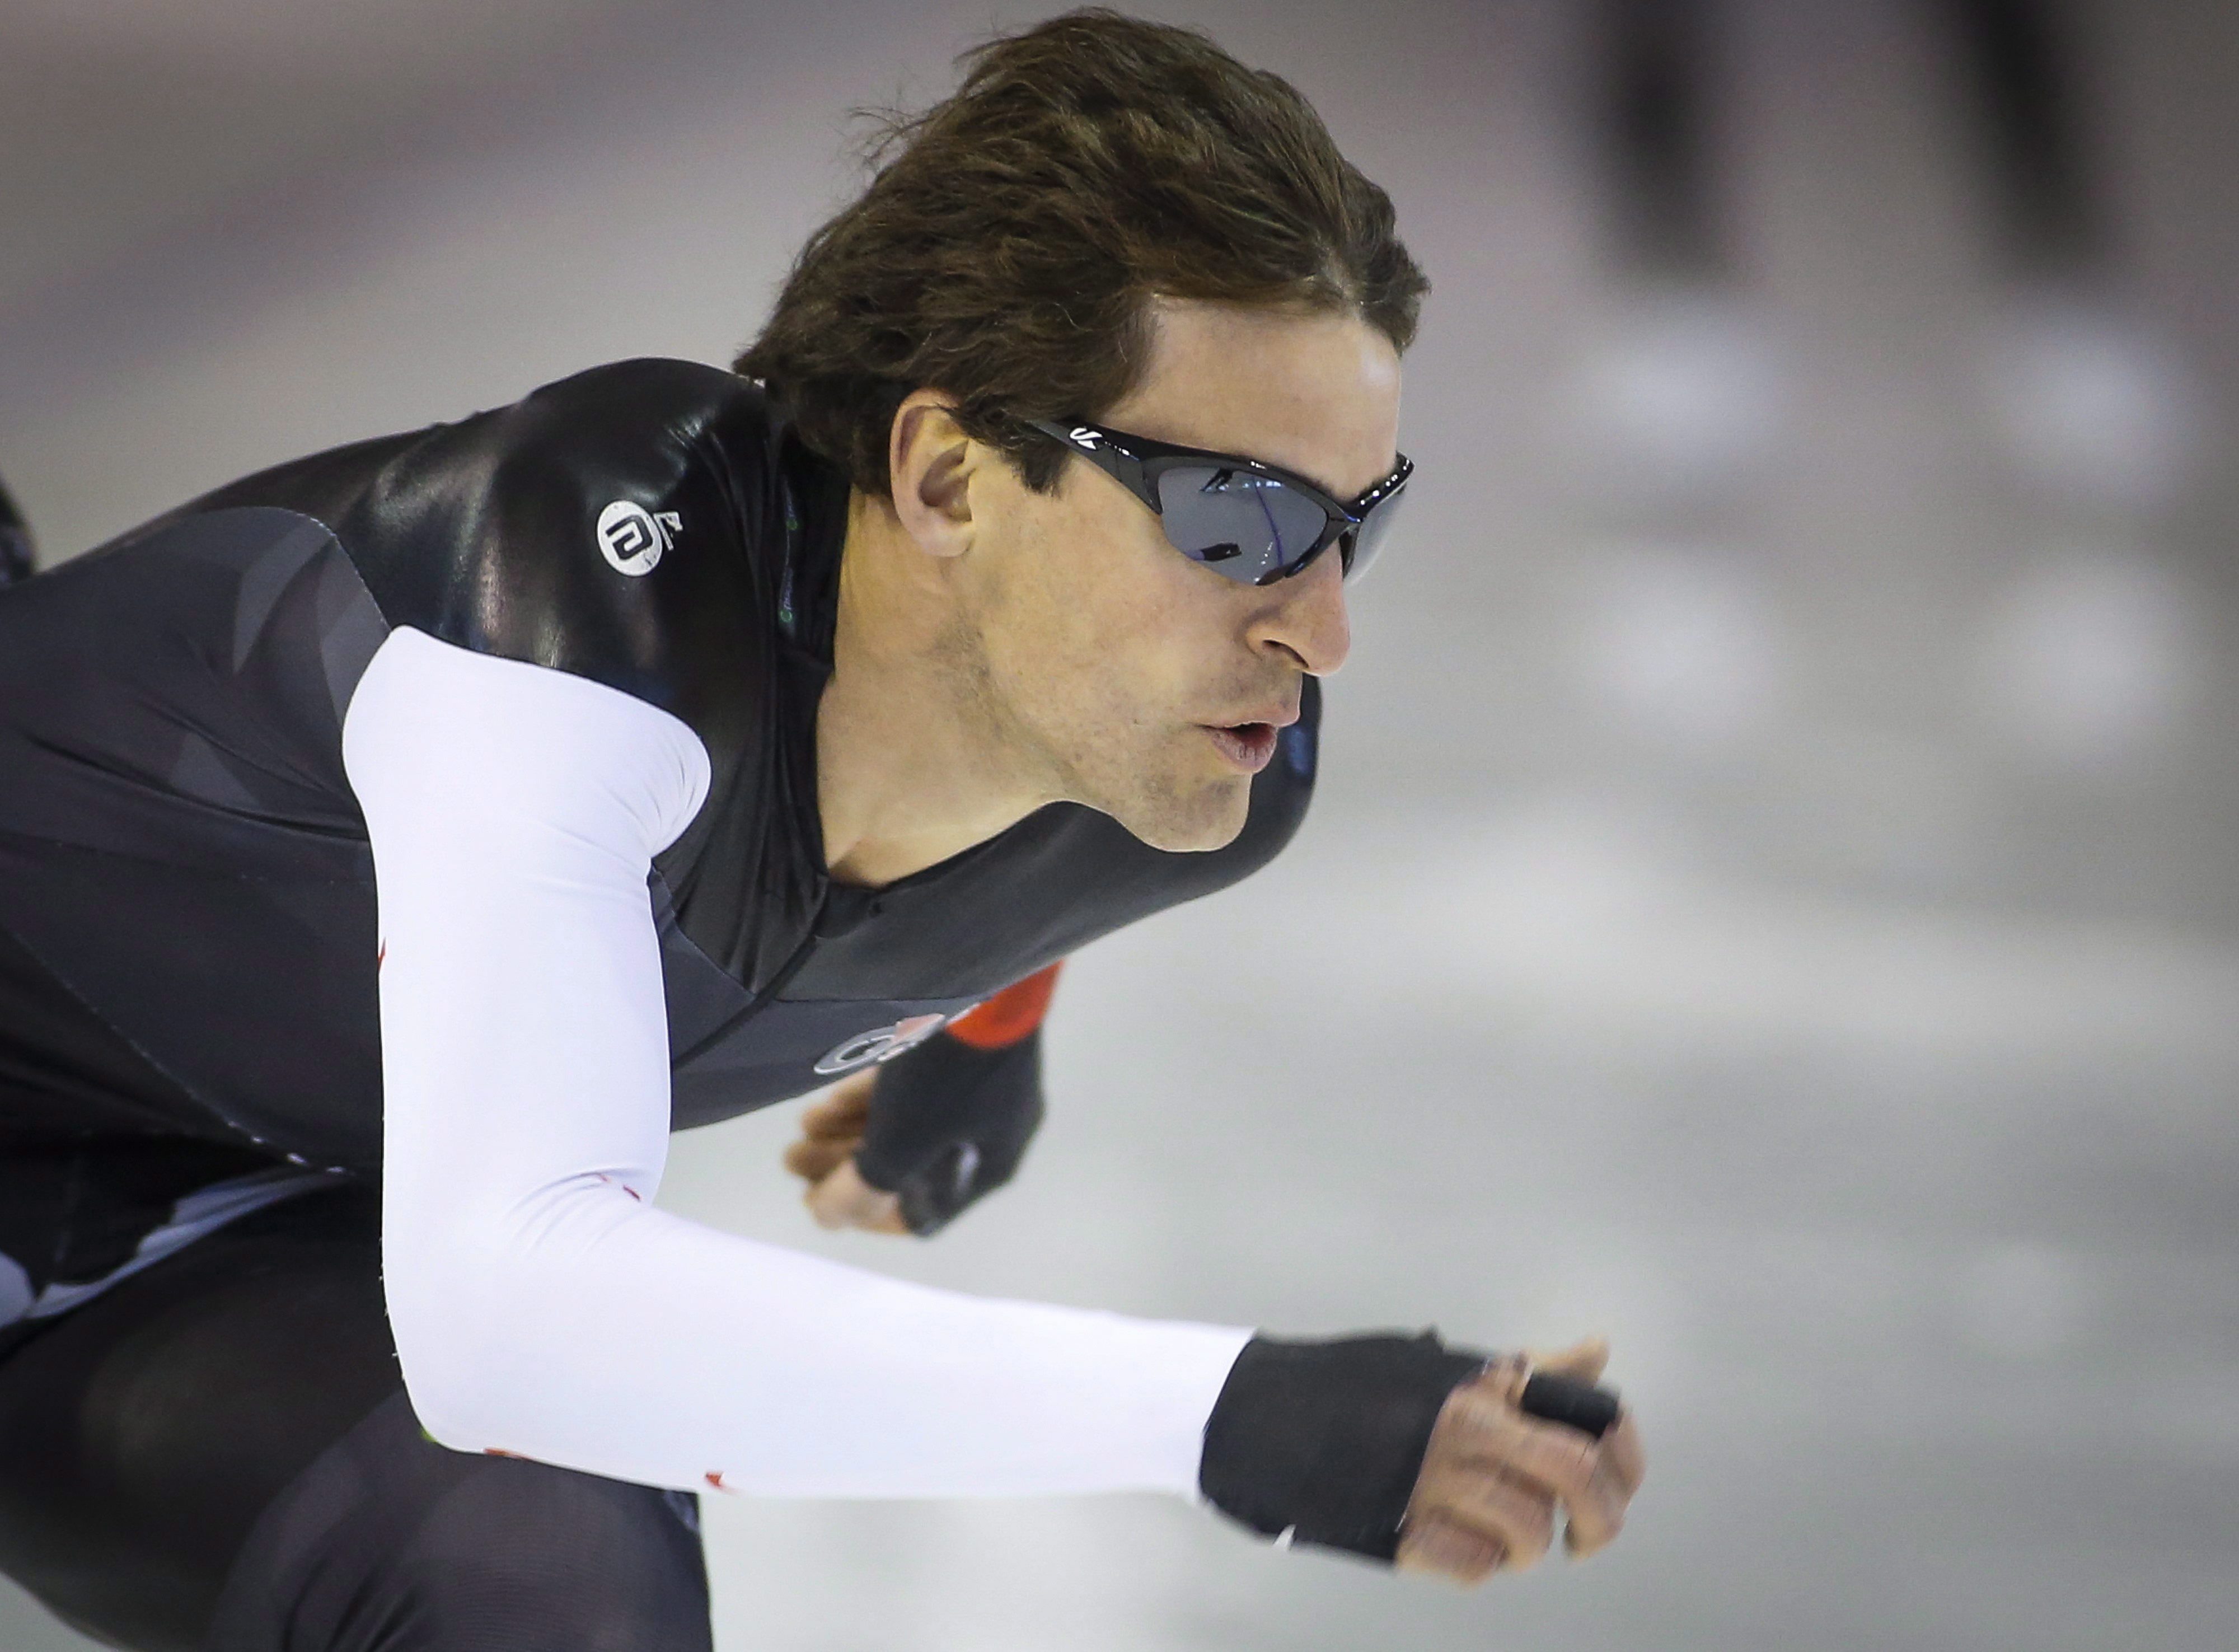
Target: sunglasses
<point x="1250" y="521"/>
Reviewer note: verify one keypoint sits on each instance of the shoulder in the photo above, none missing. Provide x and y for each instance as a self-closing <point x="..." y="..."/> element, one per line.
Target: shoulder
<point x="639" y="425"/>
<point x="623" y="524"/>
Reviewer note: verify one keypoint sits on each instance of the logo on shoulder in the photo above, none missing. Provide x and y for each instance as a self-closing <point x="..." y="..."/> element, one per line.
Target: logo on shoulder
<point x="632" y="538"/>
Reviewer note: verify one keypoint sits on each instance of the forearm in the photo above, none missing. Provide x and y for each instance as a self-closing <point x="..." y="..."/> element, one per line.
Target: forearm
<point x="585" y="1329"/>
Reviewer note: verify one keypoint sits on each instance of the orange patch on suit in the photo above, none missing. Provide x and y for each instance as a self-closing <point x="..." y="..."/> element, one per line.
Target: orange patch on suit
<point x="1009" y="1015"/>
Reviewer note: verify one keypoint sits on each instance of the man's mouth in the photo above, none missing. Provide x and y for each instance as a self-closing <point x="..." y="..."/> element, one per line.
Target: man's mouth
<point x="1247" y="745"/>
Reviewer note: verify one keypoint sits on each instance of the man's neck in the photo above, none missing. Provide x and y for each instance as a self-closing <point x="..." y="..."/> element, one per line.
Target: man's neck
<point x="911" y="766"/>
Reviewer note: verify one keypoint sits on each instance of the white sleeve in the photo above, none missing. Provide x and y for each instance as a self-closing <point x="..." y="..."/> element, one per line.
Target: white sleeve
<point x="541" y="1304"/>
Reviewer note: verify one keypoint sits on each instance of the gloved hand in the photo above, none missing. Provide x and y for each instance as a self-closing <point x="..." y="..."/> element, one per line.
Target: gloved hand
<point x="948" y="1124"/>
<point x="908" y="1145"/>
<point x="1402" y="1449"/>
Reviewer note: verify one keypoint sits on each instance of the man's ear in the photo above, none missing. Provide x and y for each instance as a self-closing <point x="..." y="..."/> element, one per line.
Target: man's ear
<point x="930" y="460"/>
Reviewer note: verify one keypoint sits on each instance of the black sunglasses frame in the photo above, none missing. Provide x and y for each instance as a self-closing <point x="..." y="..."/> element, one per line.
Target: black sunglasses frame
<point x="1137" y="461"/>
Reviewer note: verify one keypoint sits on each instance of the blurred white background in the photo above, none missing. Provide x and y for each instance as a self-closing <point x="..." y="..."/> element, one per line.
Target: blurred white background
<point x="1774" y="892"/>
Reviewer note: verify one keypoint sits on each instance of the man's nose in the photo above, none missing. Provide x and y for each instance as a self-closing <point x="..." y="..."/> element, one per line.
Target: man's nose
<point x="1307" y="622"/>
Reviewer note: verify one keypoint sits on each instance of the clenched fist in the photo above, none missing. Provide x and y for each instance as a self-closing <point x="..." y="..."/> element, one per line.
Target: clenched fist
<point x="831" y="1130"/>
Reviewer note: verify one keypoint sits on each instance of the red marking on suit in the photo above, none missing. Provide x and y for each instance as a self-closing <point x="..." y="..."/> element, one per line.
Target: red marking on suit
<point x="1009" y="1015"/>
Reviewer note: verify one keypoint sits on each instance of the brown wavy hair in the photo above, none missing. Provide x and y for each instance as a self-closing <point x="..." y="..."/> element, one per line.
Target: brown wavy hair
<point x="1013" y="237"/>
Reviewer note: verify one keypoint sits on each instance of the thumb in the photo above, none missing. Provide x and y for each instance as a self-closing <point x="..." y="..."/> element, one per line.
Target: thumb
<point x="1584" y="1360"/>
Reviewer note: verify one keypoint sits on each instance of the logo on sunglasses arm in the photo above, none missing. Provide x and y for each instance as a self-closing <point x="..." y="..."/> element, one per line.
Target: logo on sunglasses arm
<point x="880" y="1043"/>
<point x="632" y="538"/>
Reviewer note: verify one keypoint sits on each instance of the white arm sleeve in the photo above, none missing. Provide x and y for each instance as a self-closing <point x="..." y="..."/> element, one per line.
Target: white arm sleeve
<point x="541" y="1304"/>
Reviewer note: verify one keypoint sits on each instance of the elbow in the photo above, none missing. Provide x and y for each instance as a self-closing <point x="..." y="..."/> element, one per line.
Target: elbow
<point x="449" y="1351"/>
<point x="454" y="1414"/>
<point x="486" y="1302"/>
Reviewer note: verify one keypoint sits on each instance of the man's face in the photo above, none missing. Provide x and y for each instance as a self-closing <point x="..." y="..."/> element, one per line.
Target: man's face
<point x="1131" y="678"/>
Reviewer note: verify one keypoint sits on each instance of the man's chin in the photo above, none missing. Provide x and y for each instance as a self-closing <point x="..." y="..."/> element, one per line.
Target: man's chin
<point x="1205" y="818"/>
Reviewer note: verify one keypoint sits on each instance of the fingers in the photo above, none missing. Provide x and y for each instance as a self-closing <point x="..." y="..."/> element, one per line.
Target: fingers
<point x="1444" y="1549"/>
<point x="1584" y="1360"/>
<point x="1623" y="1458"/>
<point x="843" y="1199"/>
<point x="841" y="1111"/>
<point x="832" y="1128"/>
<point x="1617" y="1474"/>
<point x="1518" y="1519"/>
<point x="1499" y="1474"/>
<point x="1494" y="1479"/>
<point x="814" y="1161"/>
<point x="1559" y="1462"/>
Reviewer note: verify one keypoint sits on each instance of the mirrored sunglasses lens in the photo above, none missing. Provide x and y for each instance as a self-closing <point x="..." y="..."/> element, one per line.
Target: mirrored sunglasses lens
<point x="1235" y="522"/>
<point x="1369" y="538"/>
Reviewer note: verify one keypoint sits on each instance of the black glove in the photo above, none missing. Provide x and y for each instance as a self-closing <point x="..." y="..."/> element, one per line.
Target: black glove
<point x="949" y="1122"/>
<point x="1325" y="1439"/>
